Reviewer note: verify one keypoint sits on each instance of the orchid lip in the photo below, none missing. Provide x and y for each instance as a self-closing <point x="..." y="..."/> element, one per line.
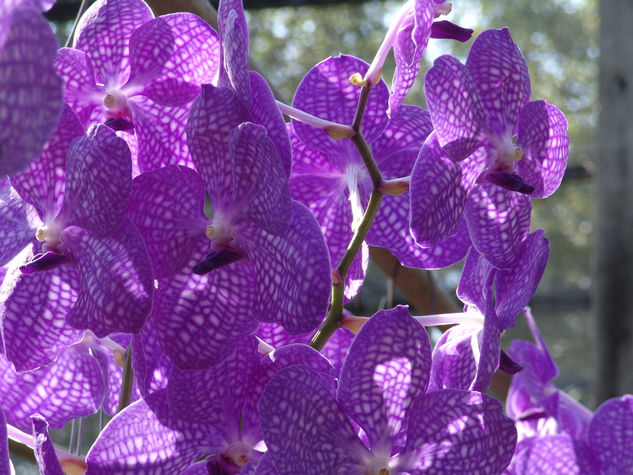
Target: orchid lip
<point x="217" y="259"/>
<point x="43" y="261"/>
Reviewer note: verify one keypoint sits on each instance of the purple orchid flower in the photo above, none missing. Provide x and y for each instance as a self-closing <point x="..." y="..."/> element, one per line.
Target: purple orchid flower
<point x="492" y="150"/>
<point x="409" y="35"/>
<point x="382" y="388"/>
<point x="30" y="89"/>
<point x="329" y="177"/>
<point x="245" y="259"/>
<point x="468" y="354"/>
<point x="538" y="407"/>
<point x="208" y="413"/>
<point x="84" y="265"/>
<point x="139" y="74"/>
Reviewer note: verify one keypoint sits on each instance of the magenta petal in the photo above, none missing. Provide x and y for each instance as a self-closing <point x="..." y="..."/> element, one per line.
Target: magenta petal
<point x="98" y="182"/>
<point x="264" y="111"/>
<point x="327" y="93"/>
<point x="542" y="136"/>
<point x="69" y="387"/>
<point x="610" y="435"/>
<point x="305" y="429"/>
<point x="167" y="206"/>
<point x="258" y="183"/>
<point x="18" y="221"/>
<point x="386" y="368"/>
<point x="214" y="114"/>
<point x="455" y="432"/>
<point x="456" y="110"/>
<point x="44" y="450"/>
<point x="44" y="181"/>
<point x="30" y="90"/>
<point x="33" y="311"/>
<point x="501" y="75"/>
<point x="515" y="287"/>
<point x="80" y="91"/>
<point x="203" y="395"/>
<point x="116" y="286"/>
<point x="151" y="45"/>
<point x="200" y="318"/>
<point x="150" y="363"/>
<point x="498" y="221"/>
<point x="161" y="132"/>
<point x="146" y="436"/>
<point x="235" y="49"/>
<point x="472" y="284"/>
<point x="555" y="453"/>
<point x="410" y="44"/>
<point x="104" y="33"/>
<point x="438" y="194"/>
<point x="292" y="271"/>
<point x="454" y="364"/>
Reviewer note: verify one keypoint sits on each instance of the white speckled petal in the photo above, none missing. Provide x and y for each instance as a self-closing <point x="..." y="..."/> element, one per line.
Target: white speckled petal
<point x="501" y="75"/>
<point x="80" y="90"/>
<point x="545" y="144"/>
<point x="104" y="33"/>
<point x="116" y="287"/>
<point x="147" y="438"/>
<point x="31" y="96"/>
<point x="498" y="221"/>
<point x="167" y="206"/>
<point x="327" y="93"/>
<point x="387" y="366"/>
<point x="292" y="271"/>
<point x="69" y="387"/>
<point x="457" y="112"/>
<point x="18" y="221"/>
<point x="33" y="311"/>
<point x="98" y="182"/>
<point x="453" y="432"/>
<point x="410" y="44"/>
<point x="555" y="453"/>
<point x="43" y="183"/>
<point x="611" y="435"/>
<point x="150" y="363"/>
<point x="200" y="318"/>
<point x="305" y="429"/>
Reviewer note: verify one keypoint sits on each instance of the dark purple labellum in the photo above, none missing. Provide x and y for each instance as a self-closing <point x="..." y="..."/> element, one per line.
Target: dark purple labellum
<point x="119" y="124"/>
<point x="43" y="261"/>
<point x="216" y="260"/>
<point x="510" y="181"/>
<point x="508" y="365"/>
<point x="449" y="30"/>
<point x="532" y="414"/>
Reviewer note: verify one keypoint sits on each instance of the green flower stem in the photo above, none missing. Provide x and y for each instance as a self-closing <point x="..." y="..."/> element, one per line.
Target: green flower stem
<point x="128" y="381"/>
<point x="335" y="315"/>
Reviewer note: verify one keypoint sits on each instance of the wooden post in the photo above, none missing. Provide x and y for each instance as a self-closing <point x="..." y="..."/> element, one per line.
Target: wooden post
<point x="613" y="238"/>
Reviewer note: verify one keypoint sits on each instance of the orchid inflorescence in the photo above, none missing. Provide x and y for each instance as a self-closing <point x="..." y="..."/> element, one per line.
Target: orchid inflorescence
<point x="177" y="255"/>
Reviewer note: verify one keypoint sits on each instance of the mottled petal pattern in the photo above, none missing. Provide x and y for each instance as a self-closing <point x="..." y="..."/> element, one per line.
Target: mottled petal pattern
<point x="454" y="431"/>
<point x="327" y="93"/>
<point x="5" y="462"/>
<point x="501" y="75"/>
<point x="305" y="429"/>
<point x="117" y="283"/>
<point x="32" y="310"/>
<point x="542" y="136"/>
<point x="18" y="221"/>
<point x="150" y="363"/>
<point x="147" y="437"/>
<point x="292" y="272"/>
<point x="611" y="435"/>
<point x="98" y="182"/>
<point x="80" y="91"/>
<point x="387" y="367"/>
<point x="69" y="387"/>
<point x="109" y="53"/>
<point x="167" y="206"/>
<point x="200" y="318"/>
<point x="498" y="221"/>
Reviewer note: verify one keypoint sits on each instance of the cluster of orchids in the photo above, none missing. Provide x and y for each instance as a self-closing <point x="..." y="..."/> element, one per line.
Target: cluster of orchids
<point x="176" y="254"/>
